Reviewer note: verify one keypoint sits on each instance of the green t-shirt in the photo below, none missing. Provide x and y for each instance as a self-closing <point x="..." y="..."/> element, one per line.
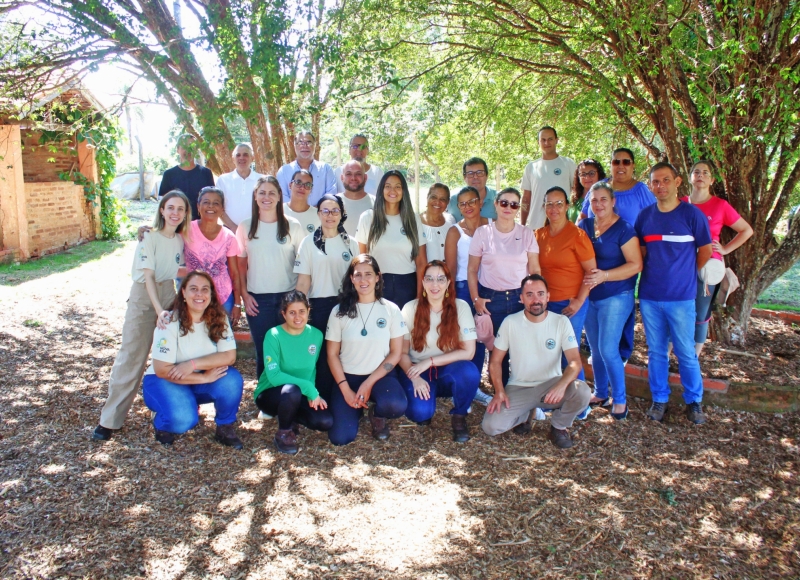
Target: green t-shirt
<point x="291" y="359"/>
<point x="574" y="210"/>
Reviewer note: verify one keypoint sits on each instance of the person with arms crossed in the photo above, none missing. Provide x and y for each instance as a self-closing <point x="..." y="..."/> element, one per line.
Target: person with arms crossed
<point x="238" y="186"/>
<point x="187" y="176"/>
<point x="550" y="170"/>
<point x="321" y="173"/>
<point x="535" y="340"/>
<point x="476" y="174"/>
<point x="359" y="149"/>
<point x="676" y="243"/>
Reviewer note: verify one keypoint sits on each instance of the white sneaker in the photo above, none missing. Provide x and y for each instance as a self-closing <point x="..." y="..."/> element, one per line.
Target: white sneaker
<point x="539" y="415"/>
<point x="482" y="398"/>
<point x="262" y="416"/>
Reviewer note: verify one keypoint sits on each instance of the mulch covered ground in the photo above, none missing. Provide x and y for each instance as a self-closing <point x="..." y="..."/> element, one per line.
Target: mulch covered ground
<point x="632" y="500"/>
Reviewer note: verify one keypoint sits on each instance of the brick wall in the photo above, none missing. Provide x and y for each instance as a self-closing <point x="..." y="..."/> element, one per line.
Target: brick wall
<point x="40" y="164"/>
<point x="58" y="216"/>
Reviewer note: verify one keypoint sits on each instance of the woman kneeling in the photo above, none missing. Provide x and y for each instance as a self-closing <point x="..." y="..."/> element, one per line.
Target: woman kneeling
<point x="438" y="350"/>
<point x="287" y="387"/>
<point x="190" y="365"/>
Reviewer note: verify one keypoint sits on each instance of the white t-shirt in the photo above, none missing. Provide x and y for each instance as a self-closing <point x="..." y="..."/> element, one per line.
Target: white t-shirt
<point x="238" y="194"/>
<point x="435" y="237"/>
<point x="374" y="176"/>
<point x="308" y="219"/>
<point x="465" y="321"/>
<point x="393" y="249"/>
<point x="354" y="208"/>
<point x="541" y="175"/>
<point x="170" y="347"/>
<point x="159" y="253"/>
<point x="270" y="264"/>
<point x="535" y="348"/>
<point x="328" y="269"/>
<point x="361" y="355"/>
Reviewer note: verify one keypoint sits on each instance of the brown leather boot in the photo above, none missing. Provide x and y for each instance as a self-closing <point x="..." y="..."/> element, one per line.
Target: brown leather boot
<point x="460" y="431"/>
<point x="226" y="434"/>
<point x="380" y="426"/>
<point x="286" y="441"/>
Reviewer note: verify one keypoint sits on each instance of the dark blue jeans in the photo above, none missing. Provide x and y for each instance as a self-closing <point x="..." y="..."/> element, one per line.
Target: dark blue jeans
<point x="459" y="380"/>
<point x="503" y="303"/>
<point x="462" y="293"/>
<point x="320" y="312"/>
<point x="626" y="342"/>
<point x="400" y="288"/>
<point x="175" y="405"/>
<point x="387" y="394"/>
<point x="576" y="321"/>
<point x="289" y="405"/>
<point x="269" y="316"/>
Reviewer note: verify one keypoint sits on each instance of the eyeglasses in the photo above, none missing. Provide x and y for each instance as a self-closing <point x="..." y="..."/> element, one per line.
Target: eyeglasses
<point x="303" y="184"/>
<point x="304" y="143"/>
<point x="470" y="202"/>
<point x="624" y="162"/>
<point x="506" y="203"/>
<point x="326" y="212"/>
<point x="431" y="279"/>
<point x="357" y="147"/>
<point x="479" y="173"/>
<point x="587" y="174"/>
<point x="553" y="204"/>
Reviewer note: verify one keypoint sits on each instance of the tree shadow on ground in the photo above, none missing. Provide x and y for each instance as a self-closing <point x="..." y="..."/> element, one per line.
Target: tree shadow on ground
<point x="632" y="500"/>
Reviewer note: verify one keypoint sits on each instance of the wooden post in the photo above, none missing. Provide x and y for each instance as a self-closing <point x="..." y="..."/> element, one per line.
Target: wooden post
<point x="141" y="169"/>
<point x="338" y="151"/>
<point x="416" y="173"/>
<point x="497" y="178"/>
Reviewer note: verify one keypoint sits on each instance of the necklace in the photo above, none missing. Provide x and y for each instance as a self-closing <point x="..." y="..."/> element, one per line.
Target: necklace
<point x="364" y="322"/>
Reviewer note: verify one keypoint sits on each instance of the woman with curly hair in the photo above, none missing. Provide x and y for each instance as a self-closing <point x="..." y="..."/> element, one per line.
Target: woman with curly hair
<point x="191" y="359"/>
<point x="438" y="350"/>
<point x="588" y="172"/>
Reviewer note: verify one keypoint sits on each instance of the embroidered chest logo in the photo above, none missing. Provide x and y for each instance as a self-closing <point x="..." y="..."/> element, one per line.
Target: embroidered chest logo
<point x="557" y="171"/>
<point x="177" y="258"/>
<point x="346" y="256"/>
<point x="282" y="240"/>
<point x="550" y="344"/>
<point x="162" y="346"/>
<point x="312" y="349"/>
<point x="381" y="322"/>
<point x="310" y="227"/>
<point x="402" y="231"/>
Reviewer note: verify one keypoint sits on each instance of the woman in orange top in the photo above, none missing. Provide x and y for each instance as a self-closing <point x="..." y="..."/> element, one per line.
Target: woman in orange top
<point x="566" y="255"/>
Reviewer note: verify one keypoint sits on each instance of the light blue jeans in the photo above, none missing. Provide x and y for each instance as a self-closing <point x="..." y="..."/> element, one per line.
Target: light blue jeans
<point x="175" y="405"/>
<point x="605" y="321"/>
<point x="576" y="320"/>
<point x="663" y="320"/>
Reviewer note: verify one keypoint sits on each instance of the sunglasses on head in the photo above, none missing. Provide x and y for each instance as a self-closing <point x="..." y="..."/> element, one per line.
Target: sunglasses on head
<point x="506" y="203"/>
<point x="625" y="162"/>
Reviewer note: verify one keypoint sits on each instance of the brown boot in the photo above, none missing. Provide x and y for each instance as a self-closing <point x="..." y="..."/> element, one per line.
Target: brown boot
<point x="226" y="434"/>
<point x="525" y="427"/>
<point x="380" y="426"/>
<point x="286" y="441"/>
<point x="560" y="438"/>
<point x="460" y="431"/>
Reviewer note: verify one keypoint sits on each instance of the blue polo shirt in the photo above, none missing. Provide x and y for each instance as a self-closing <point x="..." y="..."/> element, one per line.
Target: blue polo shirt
<point x="321" y="173"/>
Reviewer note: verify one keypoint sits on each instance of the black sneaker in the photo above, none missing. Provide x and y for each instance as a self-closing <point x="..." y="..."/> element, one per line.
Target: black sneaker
<point x="560" y="438"/>
<point x="226" y="434"/>
<point x="657" y="411"/>
<point x="102" y="433"/>
<point x="525" y="427"/>
<point x="286" y="441"/>
<point x="165" y="438"/>
<point x="694" y="412"/>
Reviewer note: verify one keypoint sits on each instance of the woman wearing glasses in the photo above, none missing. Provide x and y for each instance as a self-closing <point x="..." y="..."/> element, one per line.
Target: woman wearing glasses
<point x="587" y="174"/>
<point x="501" y="254"/>
<point x="566" y="255"/>
<point x="298" y="207"/>
<point x="268" y="244"/>
<point x="436" y="222"/>
<point x="437" y="351"/>
<point x="365" y="342"/>
<point x="394" y="235"/>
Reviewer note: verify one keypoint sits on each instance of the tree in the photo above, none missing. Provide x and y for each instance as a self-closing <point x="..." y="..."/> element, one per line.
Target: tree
<point x="270" y="53"/>
<point x="686" y="79"/>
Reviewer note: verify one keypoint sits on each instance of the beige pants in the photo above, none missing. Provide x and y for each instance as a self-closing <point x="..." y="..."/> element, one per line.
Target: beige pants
<point x="137" y="340"/>
<point x="523" y="400"/>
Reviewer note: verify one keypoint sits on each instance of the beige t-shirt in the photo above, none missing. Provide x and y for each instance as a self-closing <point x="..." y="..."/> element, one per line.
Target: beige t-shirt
<point x="328" y="269"/>
<point x="465" y="321"/>
<point x="393" y="250"/>
<point x="159" y="253"/>
<point x="535" y="348"/>
<point x="361" y="355"/>
<point x="354" y="208"/>
<point x="309" y="219"/>
<point x="170" y="347"/>
<point x="270" y="262"/>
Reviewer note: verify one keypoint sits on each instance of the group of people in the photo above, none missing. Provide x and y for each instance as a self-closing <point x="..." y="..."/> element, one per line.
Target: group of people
<point x="356" y="302"/>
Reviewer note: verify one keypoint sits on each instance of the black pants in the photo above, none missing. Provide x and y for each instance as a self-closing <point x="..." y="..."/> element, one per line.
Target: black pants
<point x="320" y="312"/>
<point x="291" y="406"/>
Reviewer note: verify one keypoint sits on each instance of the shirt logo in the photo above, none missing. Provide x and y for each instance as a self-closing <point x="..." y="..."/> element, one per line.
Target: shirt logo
<point x="571" y="338"/>
<point x="550" y="344"/>
<point x="142" y="255"/>
<point x="557" y="171"/>
<point x="296" y="263"/>
<point x="310" y="227"/>
<point x="403" y="231"/>
<point x="381" y="322"/>
<point x="177" y="258"/>
<point x="162" y="346"/>
<point x="282" y="240"/>
<point x="312" y="349"/>
<point x="269" y="359"/>
<point x="346" y="256"/>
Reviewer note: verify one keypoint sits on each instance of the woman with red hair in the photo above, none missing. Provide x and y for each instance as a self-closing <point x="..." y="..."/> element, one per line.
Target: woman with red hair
<point x="438" y="350"/>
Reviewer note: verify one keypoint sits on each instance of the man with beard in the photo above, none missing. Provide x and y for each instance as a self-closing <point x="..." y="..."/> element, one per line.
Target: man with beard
<point x="536" y="381"/>
<point x="359" y="149"/>
<point x="321" y="173"/>
<point x="187" y="176"/>
<point x="356" y="200"/>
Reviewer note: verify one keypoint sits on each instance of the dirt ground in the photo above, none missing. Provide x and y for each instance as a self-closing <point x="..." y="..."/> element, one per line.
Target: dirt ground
<point x="632" y="500"/>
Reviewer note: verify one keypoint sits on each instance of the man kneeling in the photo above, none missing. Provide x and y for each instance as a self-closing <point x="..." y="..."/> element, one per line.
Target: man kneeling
<point x="536" y="339"/>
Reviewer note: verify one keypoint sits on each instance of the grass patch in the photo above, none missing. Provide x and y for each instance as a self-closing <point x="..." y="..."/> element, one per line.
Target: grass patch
<point x="784" y="293"/>
<point x="785" y="307"/>
<point x="15" y="274"/>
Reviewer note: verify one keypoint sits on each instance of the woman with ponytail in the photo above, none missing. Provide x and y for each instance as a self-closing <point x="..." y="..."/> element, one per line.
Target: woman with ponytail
<point x="438" y="350"/>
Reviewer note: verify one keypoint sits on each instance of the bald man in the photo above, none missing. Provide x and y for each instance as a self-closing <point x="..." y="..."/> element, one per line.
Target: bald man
<point x="356" y="200"/>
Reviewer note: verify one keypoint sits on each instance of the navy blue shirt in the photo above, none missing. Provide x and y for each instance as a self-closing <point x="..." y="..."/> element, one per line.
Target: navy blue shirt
<point x="672" y="239"/>
<point x="608" y="253"/>
<point x="189" y="182"/>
